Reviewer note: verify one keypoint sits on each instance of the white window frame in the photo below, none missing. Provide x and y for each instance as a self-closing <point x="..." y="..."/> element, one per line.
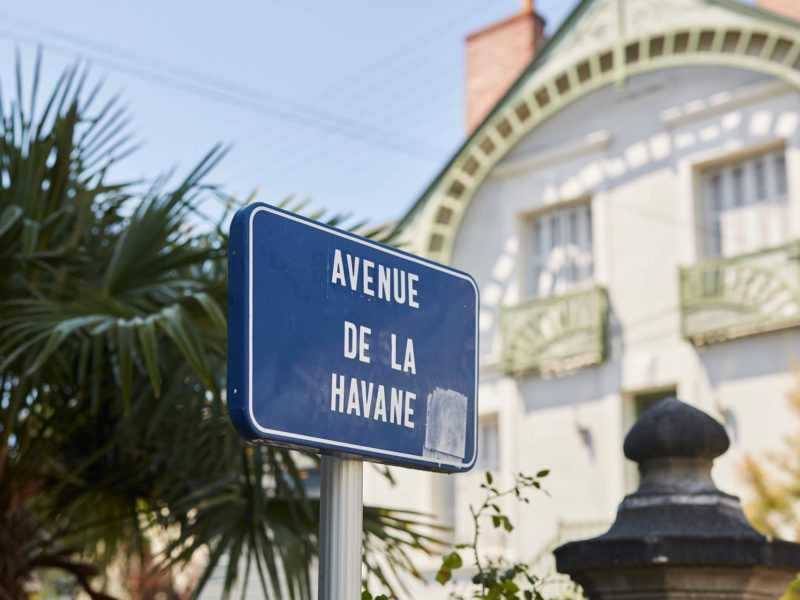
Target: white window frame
<point x="488" y="442"/>
<point x="553" y="269"/>
<point x="747" y="188"/>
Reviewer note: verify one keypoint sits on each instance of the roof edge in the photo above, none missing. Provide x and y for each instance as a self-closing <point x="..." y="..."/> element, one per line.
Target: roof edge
<point x="539" y="57"/>
<point x="542" y="54"/>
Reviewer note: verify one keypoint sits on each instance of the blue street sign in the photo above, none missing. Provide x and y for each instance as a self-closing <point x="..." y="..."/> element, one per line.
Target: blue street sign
<point x="346" y="346"/>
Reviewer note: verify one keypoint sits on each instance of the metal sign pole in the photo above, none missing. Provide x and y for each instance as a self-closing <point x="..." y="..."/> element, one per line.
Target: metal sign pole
<point x="340" y="528"/>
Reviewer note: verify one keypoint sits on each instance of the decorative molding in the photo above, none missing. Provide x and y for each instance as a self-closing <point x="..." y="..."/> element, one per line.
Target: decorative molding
<point x="723" y="102"/>
<point x="734" y="41"/>
<point x="728" y="298"/>
<point x="554" y="334"/>
<point x="592" y="142"/>
<point x="599" y="22"/>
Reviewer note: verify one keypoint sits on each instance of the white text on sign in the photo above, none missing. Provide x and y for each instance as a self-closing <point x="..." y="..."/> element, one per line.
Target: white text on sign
<point x="387" y="283"/>
<point x="357" y="397"/>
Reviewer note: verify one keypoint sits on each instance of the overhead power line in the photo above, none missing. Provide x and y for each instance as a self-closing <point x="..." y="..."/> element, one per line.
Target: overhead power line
<point x="316" y="154"/>
<point x="355" y="97"/>
<point x="296" y="113"/>
<point x="243" y="97"/>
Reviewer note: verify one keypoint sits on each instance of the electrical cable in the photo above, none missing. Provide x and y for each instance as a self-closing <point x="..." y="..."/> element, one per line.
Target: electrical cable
<point x="355" y="97"/>
<point x="226" y="86"/>
<point x="362" y="134"/>
<point x="328" y="151"/>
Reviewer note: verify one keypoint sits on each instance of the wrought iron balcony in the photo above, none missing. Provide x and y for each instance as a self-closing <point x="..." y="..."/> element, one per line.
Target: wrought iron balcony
<point x="727" y="298"/>
<point x="554" y="334"/>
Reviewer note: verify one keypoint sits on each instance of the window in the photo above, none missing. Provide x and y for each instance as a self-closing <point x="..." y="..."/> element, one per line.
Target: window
<point x="643" y="401"/>
<point x="488" y="444"/>
<point x="745" y="205"/>
<point x="560" y="251"/>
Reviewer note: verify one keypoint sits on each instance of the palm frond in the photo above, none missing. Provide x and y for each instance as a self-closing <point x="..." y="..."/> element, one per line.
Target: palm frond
<point x="112" y="366"/>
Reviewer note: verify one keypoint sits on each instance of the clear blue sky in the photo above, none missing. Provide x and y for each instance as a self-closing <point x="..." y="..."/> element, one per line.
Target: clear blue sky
<point x="355" y="104"/>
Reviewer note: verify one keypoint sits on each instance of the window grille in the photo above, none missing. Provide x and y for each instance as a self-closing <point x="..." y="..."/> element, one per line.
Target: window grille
<point x="560" y="251"/>
<point x="745" y="205"/>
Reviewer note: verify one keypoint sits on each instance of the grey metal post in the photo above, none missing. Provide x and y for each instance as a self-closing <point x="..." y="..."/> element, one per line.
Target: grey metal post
<point x="340" y="528"/>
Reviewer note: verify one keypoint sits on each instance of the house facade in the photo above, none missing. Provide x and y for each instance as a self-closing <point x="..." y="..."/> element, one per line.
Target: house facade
<point x="630" y="209"/>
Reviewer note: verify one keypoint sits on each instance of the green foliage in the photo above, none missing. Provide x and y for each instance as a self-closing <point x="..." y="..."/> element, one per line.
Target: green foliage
<point x="113" y="425"/>
<point x="775" y="485"/>
<point x="450" y="562"/>
<point x="773" y="508"/>
<point x="793" y="591"/>
<point x="494" y="578"/>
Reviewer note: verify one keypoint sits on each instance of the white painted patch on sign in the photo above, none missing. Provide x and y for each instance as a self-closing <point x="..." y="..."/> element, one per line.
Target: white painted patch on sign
<point x="445" y="434"/>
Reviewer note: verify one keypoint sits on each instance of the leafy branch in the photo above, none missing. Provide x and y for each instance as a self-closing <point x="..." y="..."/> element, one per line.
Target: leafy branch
<point x="494" y="578"/>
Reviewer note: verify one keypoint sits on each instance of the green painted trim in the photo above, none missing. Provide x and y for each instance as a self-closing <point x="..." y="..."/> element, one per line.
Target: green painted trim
<point x="516" y="322"/>
<point x="736" y="60"/>
<point x="753" y="11"/>
<point x="539" y="58"/>
<point x="440" y="226"/>
<point x="773" y="270"/>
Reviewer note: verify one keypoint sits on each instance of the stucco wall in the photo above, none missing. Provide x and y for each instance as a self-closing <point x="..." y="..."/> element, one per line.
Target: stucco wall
<point x="660" y="128"/>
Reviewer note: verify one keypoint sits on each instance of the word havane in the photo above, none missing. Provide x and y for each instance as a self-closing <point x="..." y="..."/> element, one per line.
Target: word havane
<point x="365" y="399"/>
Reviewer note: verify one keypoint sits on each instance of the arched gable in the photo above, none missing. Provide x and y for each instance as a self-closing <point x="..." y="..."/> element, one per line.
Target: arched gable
<point x="602" y="44"/>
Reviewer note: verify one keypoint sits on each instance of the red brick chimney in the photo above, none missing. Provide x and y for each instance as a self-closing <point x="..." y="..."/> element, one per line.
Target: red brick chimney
<point x="787" y="8"/>
<point x="496" y="55"/>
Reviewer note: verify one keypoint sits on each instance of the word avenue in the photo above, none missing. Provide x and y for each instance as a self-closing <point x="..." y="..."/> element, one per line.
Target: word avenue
<point x="390" y="283"/>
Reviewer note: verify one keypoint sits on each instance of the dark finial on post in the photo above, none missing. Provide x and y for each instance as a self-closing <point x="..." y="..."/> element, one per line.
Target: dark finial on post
<point x="676" y="430"/>
<point x="678" y="536"/>
<point x="675" y="445"/>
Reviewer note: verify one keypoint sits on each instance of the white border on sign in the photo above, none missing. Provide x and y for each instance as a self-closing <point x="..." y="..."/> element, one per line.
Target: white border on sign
<point x="343" y="445"/>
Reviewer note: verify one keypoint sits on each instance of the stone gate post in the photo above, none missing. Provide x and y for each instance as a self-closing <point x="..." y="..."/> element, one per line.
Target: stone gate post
<point x="678" y="537"/>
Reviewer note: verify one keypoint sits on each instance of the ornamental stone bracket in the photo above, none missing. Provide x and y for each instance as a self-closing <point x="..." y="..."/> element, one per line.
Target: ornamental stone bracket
<point x="554" y="334"/>
<point x="678" y="537"/>
<point x="728" y="298"/>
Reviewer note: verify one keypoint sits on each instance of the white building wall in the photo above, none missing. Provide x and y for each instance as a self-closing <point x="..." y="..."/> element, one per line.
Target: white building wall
<point x="635" y="152"/>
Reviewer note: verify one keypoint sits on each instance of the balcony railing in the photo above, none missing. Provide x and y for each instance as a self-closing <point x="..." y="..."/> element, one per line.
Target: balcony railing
<point x="728" y="298"/>
<point x="554" y="334"/>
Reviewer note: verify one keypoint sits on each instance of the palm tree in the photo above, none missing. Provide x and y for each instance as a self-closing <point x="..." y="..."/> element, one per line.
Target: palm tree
<point x="114" y="437"/>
